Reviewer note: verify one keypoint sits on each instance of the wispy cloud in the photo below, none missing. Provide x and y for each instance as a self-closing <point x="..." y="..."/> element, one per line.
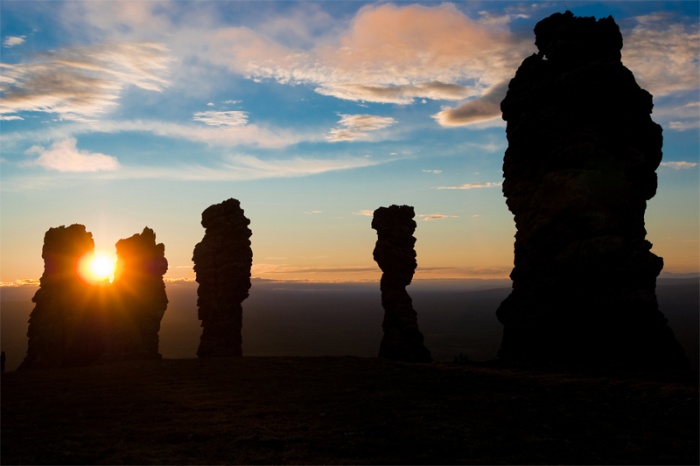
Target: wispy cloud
<point x="364" y="213"/>
<point x="387" y="54"/>
<point x="286" y="269"/>
<point x="229" y="118"/>
<point x="475" y="110"/>
<point x="251" y="135"/>
<point x="489" y="184"/>
<point x="679" y="165"/>
<point x="462" y="272"/>
<point x="431" y="217"/>
<point x="231" y="168"/>
<point x="12" y="41"/>
<point x="297" y="166"/>
<point x="247" y="167"/>
<point x="396" y="93"/>
<point x="356" y="127"/>
<point x="676" y="116"/>
<point x="434" y="172"/>
<point x="178" y="280"/>
<point x="64" y="156"/>
<point x="663" y="54"/>
<point x="20" y="282"/>
<point x="82" y="83"/>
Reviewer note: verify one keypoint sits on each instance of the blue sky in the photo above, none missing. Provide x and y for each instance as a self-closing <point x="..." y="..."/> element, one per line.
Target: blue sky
<point x="120" y="115"/>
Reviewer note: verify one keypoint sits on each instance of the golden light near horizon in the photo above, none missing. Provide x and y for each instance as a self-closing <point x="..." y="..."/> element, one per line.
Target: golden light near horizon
<point x="97" y="267"/>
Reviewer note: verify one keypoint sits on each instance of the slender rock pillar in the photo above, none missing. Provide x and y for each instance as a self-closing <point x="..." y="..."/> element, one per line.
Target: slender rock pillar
<point x="222" y="265"/>
<point x="139" y="300"/>
<point x="395" y="255"/>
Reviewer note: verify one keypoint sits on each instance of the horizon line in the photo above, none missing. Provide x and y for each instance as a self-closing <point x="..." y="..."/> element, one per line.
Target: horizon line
<point x="177" y="280"/>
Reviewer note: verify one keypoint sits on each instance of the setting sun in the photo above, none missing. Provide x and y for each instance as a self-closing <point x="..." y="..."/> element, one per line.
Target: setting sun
<point x="96" y="268"/>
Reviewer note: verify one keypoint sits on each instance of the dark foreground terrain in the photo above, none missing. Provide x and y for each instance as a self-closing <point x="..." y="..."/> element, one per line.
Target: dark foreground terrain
<point x="344" y="410"/>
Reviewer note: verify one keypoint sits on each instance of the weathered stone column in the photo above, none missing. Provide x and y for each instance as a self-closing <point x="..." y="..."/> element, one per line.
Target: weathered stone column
<point x="395" y="255"/>
<point x="138" y="297"/>
<point x="579" y="168"/>
<point x="58" y="325"/>
<point x="223" y="260"/>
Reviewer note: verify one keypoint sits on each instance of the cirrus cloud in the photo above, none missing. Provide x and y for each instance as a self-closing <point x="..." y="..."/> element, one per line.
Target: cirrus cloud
<point x="663" y="54"/>
<point x="364" y="213"/>
<point x="432" y="217"/>
<point x="228" y="118"/>
<point x="679" y="165"/>
<point x="354" y="127"/>
<point x="467" y="186"/>
<point x="82" y="83"/>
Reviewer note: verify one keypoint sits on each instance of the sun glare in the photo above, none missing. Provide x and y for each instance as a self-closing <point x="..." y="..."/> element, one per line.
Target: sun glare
<point x="97" y="268"/>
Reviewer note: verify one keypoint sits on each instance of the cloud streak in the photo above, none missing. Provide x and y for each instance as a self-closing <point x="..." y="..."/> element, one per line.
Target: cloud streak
<point x="250" y="135"/>
<point x="475" y="110"/>
<point x="239" y="167"/>
<point x="358" y="127"/>
<point x="13" y="41"/>
<point x="467" y="186"/>
<point x="364" y="213"/>
<point x="679" y="165"/>
<point x="228" y="118"/>
<point x="82" y="83"/>
<point x="64" y="156"/>
<point x="432" y="217"/>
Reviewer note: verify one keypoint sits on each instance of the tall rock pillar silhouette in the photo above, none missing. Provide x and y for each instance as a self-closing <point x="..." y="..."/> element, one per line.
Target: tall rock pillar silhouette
<point x="222" y="265"/>
<point x="395" y="255"/>
<point x="139" y="299"/>
<point x="579" y="168"/>
<point x="63" y="330"/>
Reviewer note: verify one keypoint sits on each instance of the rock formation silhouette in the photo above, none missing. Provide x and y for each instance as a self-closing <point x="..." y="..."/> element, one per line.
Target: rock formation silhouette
<point x="139" y="299"/>
<point x="579" y="168"/>
<point x="65" y="328"/>
<point x="75" y="323"/>
<point x="395" y="255"/>
<point x="222" y="265"/>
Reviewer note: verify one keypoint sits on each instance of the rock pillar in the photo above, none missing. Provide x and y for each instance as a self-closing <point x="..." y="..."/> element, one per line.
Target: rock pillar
<point x="77" y="322"/>
<point x="64" y="328"/>
<point x="395" y="255"/>
<point x="222" y="265"/>
<point x="139" y="299"/>
<point x="579" y="169"/>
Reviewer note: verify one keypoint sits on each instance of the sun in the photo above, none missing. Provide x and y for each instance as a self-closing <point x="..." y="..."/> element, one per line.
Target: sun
<point x="97" y="267"/>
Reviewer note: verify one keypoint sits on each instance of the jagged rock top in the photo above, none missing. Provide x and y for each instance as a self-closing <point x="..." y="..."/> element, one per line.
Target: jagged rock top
<point x="395" y="222"/>
<point x="225" y="214"/>
<point x="139" y="255"/>
<point x="564" y="38"/>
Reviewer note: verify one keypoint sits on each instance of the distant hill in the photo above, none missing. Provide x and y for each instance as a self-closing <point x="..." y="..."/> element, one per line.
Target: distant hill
<point x="338" y="319"/>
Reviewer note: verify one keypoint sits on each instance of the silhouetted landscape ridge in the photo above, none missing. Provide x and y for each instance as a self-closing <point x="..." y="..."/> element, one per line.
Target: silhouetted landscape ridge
<point x="574" y="363"/>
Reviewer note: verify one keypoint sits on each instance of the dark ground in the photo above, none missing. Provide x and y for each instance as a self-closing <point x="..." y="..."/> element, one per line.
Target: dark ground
<point x="345" y="410"/>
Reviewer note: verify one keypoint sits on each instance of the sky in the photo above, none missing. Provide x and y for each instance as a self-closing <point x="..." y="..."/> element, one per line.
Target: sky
<point x="121" y="115"/>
